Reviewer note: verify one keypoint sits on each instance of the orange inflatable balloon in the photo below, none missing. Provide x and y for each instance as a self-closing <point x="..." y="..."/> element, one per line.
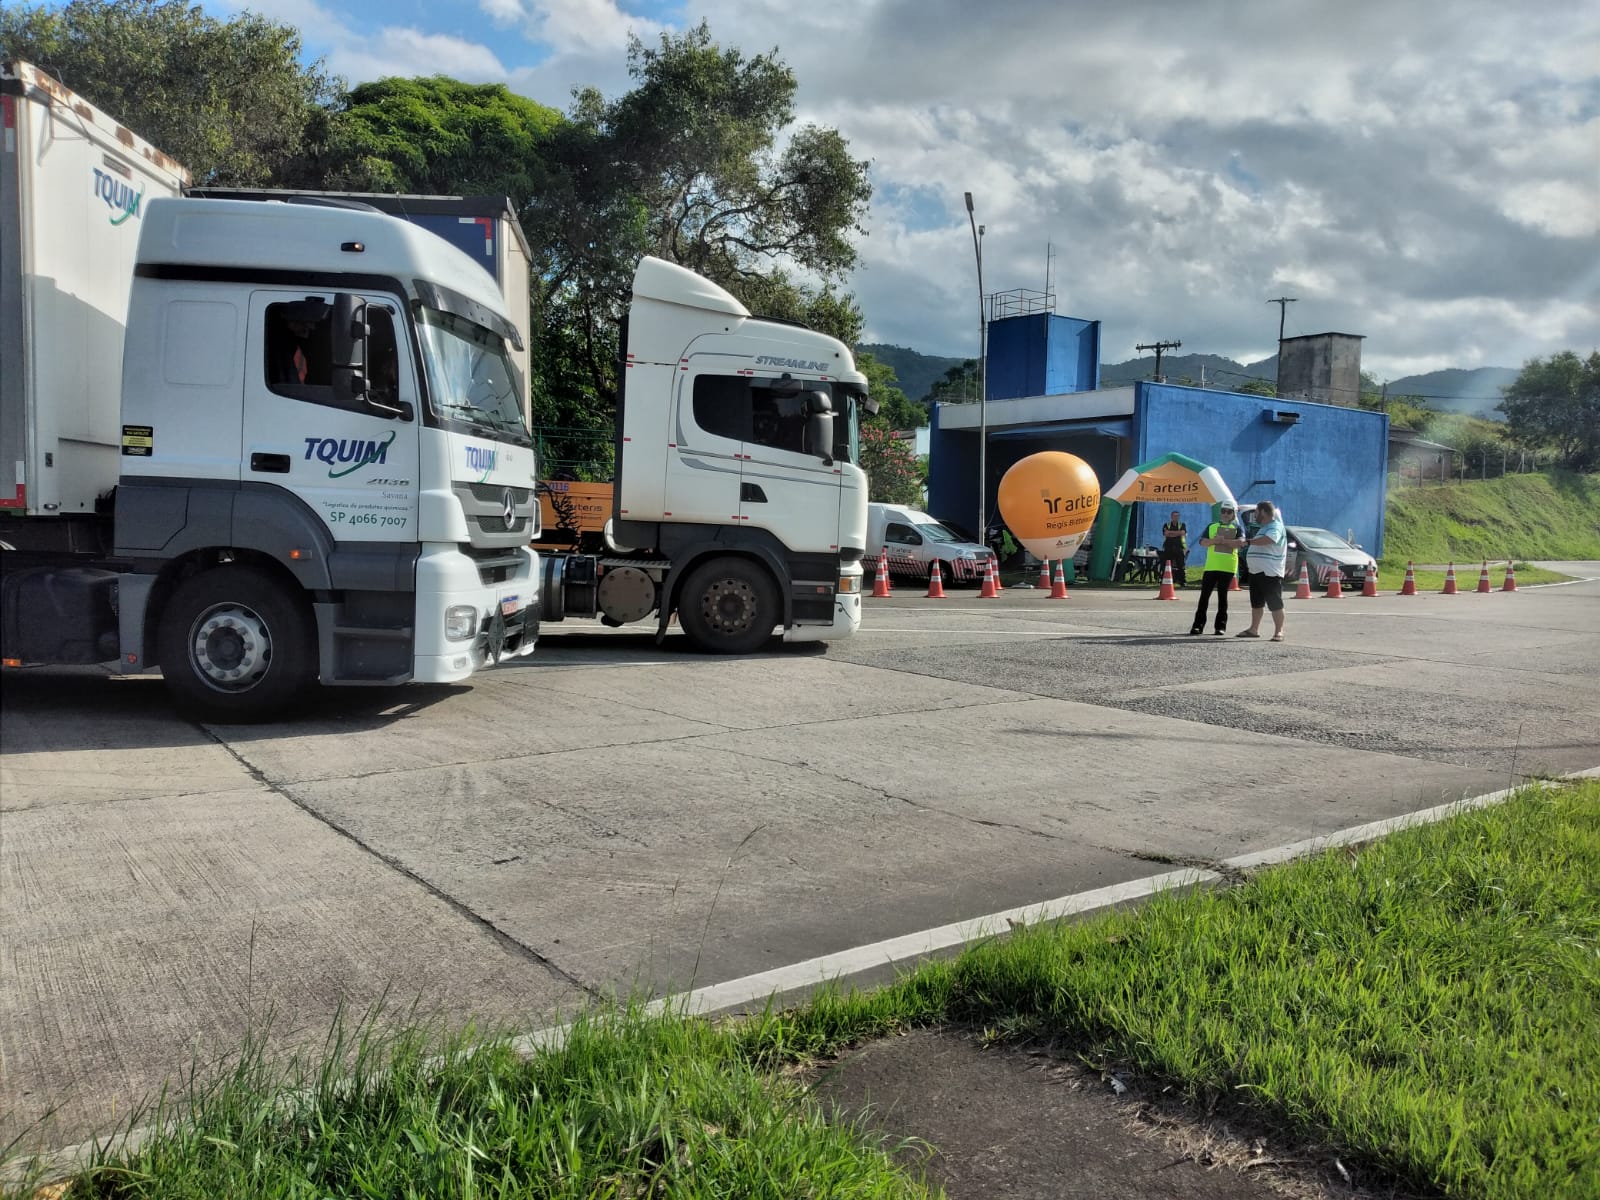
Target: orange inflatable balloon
<point x="1049" y="501"/>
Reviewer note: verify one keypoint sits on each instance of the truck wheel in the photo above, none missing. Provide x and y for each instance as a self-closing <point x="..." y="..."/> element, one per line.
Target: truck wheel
<point x="235" y="645"/>
<point x="728" y="606"/>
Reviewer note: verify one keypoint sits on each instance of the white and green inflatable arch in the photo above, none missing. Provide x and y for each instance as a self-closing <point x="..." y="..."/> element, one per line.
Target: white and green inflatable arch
<point x="1170" y="479"/>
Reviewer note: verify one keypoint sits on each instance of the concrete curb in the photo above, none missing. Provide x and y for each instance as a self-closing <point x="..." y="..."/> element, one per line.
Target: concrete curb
<point x="737" y="995"/>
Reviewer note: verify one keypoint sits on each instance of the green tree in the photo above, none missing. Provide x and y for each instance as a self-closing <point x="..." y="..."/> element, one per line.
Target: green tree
<point x="958" y="386"/>
<point x="688" y="165"/>
<point x="893" y="473"/>
<point x="894" y="410"/>
<point x="434" y="136"/>
<point x="1257" y="387"/>
<point x="1556" y="403"/>
<point x="230" y="100"/>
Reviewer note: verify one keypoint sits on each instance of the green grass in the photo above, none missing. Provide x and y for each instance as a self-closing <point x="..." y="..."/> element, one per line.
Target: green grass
<point x="1541" y="516"/>
<point x="1392" y="575"/>
<point x="1427" y="1006"/>
<point x="1430" y="1004"/>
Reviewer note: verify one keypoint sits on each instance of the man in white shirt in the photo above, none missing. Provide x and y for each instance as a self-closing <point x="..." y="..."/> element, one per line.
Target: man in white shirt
<point x="1266" y="555"/>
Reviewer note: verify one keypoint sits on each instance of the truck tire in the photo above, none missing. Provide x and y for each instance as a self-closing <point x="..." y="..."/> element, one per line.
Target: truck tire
<point x="236" y="645"/>
<point x="728" y="606"/>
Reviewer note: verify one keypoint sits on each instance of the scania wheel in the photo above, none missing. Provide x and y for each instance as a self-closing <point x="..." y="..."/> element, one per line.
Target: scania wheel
<point x="236" y="645"/>
<point x="728" y="606"/>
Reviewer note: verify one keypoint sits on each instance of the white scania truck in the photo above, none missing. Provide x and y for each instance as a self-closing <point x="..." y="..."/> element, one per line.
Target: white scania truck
<point x="253" y="444"/>
<point x="737" y="504"/>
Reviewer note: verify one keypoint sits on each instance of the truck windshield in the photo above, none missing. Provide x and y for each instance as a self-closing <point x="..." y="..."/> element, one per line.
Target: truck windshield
<point x="471" y="376"/>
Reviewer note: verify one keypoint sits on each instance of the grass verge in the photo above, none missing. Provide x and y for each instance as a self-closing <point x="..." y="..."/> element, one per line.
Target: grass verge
<point x="1426" y="1004"/>
<point x="1553" y="515"/>
<point x="1391" y="575"/>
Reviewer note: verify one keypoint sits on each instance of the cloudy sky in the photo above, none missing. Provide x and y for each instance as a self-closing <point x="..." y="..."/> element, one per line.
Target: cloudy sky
<point x="1424" y="173"/>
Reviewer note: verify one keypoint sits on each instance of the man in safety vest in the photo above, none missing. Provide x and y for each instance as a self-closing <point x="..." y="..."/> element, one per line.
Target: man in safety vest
<point x="1222" y="540"/>
<point x="1175" y="547"/>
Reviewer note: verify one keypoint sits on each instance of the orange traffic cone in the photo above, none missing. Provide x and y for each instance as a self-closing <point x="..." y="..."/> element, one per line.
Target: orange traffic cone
<point x="998" y="586"/>
<point x="1369" y="586"/>
<point x="1168" y="592"/>
<point x="1483" y="579"/>
<point x="1335" y="589"/>
<point x="988" y="591"/>
<point x="1233" y="584"/>
<point x="880" y="585"/>
<point x="1409" y="587"/>
<point x="1511" y="577"/>
<point x="936" y="583"/>
<point x="1044" y="573"/>
<point x="1302" y="589"/>
<point x="1058" y="589"/>
<point x="1449" y="580"/>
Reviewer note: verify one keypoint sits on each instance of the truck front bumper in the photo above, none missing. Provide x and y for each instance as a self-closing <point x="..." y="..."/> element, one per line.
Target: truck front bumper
<point x="503" y="622"/>
<point x="846" y="611"/>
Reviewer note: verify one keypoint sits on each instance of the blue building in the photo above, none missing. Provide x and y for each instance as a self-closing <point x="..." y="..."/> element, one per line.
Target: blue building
<point x="1321" y="464"/>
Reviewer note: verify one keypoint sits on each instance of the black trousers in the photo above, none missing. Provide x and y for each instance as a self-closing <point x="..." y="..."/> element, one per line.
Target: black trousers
<point x="1218" y="582"/>
<point x="1173" y="553"/>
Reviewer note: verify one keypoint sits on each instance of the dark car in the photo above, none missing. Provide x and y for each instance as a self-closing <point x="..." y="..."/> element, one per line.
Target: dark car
<point x="1323" y="552"/>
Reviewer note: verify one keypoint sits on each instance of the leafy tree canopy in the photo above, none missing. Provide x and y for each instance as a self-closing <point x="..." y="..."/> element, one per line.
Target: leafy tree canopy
<point x="959" y="385"/>
<point x="688" y="166"/>
<point x="895" y="411"/>
<point x="230" y="99"/>
<point x="434" y="136"/>
<point x="1556" y="403"/>
<point x="893" y="473"/>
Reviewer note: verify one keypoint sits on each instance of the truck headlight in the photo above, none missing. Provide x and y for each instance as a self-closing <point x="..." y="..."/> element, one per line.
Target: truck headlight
<point x="460" y="622"/>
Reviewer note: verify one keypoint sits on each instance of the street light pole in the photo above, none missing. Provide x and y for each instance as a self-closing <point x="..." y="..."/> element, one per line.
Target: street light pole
<point x="983" y="390"/>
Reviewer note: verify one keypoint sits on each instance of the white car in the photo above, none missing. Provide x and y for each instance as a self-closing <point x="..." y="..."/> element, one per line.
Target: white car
<point x="915" y="541"/>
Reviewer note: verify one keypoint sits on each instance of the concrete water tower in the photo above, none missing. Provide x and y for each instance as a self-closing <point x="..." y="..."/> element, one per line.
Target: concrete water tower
<point x="1321" y="368"/>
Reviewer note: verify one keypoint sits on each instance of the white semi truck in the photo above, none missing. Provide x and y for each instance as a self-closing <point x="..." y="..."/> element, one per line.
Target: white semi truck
<point x="252" y="444"/>
<point x="737" y="505"/>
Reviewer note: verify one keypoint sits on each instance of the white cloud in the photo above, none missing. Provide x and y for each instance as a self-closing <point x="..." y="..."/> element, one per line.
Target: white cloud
<point x="399" y="51"/>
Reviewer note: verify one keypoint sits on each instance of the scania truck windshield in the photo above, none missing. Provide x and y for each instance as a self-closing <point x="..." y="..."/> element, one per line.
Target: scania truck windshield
<point x="471" y="376"/>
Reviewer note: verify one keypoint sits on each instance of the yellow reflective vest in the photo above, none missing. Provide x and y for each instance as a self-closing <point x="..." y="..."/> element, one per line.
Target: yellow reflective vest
<point x="1223" y="560"/>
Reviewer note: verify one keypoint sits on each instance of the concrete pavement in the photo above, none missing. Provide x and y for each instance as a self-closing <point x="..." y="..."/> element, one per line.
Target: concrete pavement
<point x="612" y="814"/>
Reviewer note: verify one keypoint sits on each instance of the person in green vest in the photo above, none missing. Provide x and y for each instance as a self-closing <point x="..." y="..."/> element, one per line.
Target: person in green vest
<point x="1222" y="539"/>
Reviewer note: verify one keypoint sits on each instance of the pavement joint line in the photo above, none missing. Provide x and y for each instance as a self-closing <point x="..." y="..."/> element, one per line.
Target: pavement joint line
<point x="733" y="995"/>
<point x="504" y="939"/>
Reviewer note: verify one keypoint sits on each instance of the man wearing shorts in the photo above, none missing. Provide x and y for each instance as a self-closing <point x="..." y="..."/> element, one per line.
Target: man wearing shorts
<point x="1266" y="554"/>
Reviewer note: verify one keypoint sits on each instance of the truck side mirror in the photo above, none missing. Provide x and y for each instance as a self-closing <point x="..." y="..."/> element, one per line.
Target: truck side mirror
<point x="349" y="336"/>
<point x="819" y="426"/>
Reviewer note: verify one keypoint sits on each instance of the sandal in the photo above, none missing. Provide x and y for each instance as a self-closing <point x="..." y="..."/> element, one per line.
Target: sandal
<point x="1247" y="633"/>
<point x="1277" y="637"/>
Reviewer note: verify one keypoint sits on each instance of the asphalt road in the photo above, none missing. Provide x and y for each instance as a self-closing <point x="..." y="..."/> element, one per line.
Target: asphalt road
<point x="612" y="815"/>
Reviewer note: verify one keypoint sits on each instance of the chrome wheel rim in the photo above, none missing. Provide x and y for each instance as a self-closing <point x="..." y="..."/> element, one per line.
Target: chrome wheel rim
<point x="230" y="647"/>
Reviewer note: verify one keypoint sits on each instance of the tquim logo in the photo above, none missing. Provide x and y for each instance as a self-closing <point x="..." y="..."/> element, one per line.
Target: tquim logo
<point x="482" y="459"/>
<point x="347" y="454"/>
<point x="119" y="195"/>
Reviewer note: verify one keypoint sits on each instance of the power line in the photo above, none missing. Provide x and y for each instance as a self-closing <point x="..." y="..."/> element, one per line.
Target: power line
<point x="1158" y="347"/>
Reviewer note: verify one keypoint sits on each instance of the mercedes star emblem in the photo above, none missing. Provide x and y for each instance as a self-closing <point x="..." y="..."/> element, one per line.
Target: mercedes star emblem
<point x="509" y="508"/>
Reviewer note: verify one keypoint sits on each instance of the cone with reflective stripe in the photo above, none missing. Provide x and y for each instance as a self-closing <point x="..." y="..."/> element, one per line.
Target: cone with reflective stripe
<point x="1302" y="589"/>
<point x="1044" y="573"/>
<point x="1369" y="586"/>
<point x="1058" y="588"/>
<point x="998" y="586"/>
<point x="1449" y="580"/>
<point x="936" y="583"/>
<point x="1510" y="584"/>
<point x="1233" y="583"/>
<point x="1335" y="588"/>
<point x="1483" y="579"/>
<point x="1409" y="587"/>
<point x="988" y="591"/>
<point x="880" y="585"/>
<point x="1168" y="592"/>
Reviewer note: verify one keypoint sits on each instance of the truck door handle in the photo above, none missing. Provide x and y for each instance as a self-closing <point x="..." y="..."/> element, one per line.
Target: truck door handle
<point x="275" y="464"/>
<point x="751" y="493"/>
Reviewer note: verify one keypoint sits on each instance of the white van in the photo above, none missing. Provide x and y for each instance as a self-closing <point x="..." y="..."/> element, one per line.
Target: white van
<point x="915" y="541"/>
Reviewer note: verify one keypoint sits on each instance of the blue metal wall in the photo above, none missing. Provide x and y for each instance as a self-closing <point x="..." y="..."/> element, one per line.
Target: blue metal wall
<point x="1042" y="355"/>
<point x="1328" y="469"/>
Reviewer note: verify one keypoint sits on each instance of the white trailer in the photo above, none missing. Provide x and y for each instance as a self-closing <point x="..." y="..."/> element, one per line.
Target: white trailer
<point x="305" y="460"/>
